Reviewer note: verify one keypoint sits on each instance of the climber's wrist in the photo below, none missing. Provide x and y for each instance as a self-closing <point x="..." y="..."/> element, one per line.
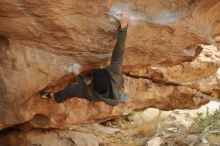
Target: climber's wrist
<point x="124" y="26"/>
<point x="124" y="19"/>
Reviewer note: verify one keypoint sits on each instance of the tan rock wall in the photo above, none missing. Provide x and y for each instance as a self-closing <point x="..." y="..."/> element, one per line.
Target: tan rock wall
<point x="39" y="40"/>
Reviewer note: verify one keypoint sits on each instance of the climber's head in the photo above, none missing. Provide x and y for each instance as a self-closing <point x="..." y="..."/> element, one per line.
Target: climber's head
<point x="101" y="84"/>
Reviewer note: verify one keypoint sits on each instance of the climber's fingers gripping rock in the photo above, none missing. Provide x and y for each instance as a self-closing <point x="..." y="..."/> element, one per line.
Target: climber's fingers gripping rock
<point x="123" y="19"/>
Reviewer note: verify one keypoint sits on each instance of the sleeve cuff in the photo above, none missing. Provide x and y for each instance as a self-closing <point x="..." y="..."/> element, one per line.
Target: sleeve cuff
<point x="122" y="29"/>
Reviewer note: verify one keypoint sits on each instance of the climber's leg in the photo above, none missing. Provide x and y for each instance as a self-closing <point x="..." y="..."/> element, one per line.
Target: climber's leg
<point x="75" y="89"/>
<point x="71" y="90"/>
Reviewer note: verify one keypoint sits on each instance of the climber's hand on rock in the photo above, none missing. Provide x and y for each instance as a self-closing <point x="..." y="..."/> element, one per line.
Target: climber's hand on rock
<point x="75" y="68"/>
<point x="123" y="19"/>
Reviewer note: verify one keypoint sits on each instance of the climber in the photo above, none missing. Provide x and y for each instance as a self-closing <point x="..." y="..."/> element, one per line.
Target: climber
<point x="104" y="84"/>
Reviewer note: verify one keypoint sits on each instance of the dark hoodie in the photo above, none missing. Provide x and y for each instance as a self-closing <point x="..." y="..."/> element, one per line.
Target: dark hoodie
<point x="113" y="72"/>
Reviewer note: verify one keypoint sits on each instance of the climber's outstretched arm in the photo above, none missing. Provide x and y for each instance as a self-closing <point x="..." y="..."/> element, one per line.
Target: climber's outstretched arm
<point x="118" y="52"/>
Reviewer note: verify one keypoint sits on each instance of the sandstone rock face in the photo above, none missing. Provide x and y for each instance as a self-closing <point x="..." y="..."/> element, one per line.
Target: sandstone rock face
<point x="135" y="129"/>
<point x="40" y="40"/>
<point x="53" y="138"/>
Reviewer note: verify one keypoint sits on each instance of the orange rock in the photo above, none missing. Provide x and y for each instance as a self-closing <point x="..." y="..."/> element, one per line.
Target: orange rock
<point x="40" y="40"/>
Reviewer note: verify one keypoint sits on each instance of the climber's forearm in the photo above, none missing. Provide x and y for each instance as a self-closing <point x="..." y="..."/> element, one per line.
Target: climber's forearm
<point x="118" y="52"/>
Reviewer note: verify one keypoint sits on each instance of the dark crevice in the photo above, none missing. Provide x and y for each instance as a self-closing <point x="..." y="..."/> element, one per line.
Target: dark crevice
<point x="8" y="130"/>
<point x="163" y="82"/>
<point x="4" y="42"/>
<point x="4" y="46"/>
<point x="157" y="81"/>
<point x="37" y="122"/>
<point x="17" y="129"/>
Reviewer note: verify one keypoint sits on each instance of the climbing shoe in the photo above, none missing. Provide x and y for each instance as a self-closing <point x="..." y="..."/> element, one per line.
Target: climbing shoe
<point x="45" y="95"/>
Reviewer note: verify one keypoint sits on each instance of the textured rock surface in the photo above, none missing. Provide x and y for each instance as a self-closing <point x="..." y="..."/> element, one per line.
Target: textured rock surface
<point x="50" y="138"/>
<point x="135" y="129"/>
<point x="39" y="40"/>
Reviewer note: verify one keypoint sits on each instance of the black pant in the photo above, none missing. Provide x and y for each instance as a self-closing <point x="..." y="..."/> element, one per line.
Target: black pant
<point x="71" y="90"/>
